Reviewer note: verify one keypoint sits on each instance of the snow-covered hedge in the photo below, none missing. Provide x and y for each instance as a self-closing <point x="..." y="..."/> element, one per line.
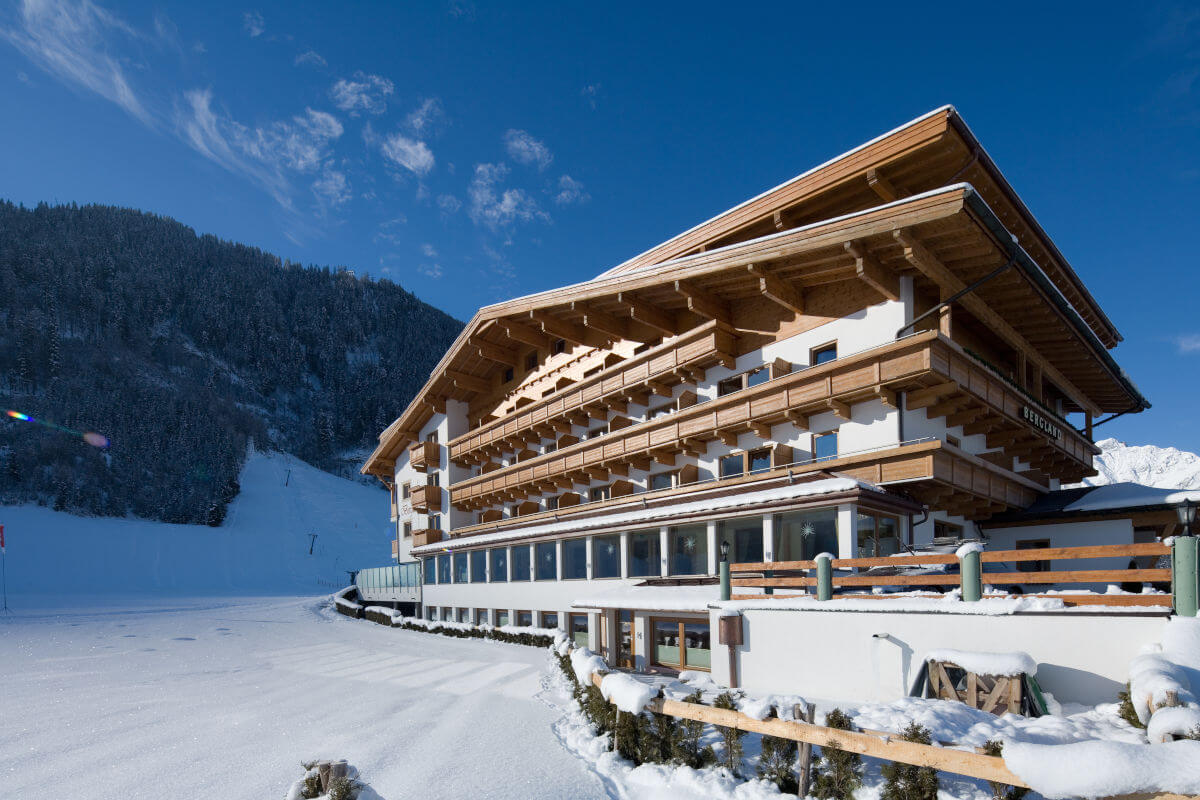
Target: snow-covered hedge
<point x="512" y="634"/>
<point x="1159" y="684"/>
<point x="344" y="605"/>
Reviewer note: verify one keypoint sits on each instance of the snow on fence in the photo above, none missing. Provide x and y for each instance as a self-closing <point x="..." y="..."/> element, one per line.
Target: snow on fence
<point x="1044" y="766"/>
<point x="929" y="570"/>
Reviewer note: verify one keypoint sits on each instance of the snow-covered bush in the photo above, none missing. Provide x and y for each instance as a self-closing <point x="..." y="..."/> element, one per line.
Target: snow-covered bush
<point x="908" y="781"/>
<point x="731" y="754"/>
<point x="776" y="761"/>
<point x="660" y="739"/>
<point x="836" y="773"/>
<point x="342" y="788"/>
<point x="1002" y="791"/>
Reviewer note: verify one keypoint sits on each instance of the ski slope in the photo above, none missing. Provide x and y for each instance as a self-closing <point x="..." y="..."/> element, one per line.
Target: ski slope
<point x="261" y="549"/>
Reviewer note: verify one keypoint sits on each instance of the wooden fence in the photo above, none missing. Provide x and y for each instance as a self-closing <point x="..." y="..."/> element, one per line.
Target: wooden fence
<point x="876" y="744"/>
<point x="772" y="575"/>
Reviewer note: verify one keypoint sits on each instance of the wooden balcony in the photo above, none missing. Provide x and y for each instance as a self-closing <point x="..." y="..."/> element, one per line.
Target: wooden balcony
<point x="424" y="455"/>
<point x="653" y="372"/>
<point x="935" y="372"/>
<point x="427" y="499"/>
<point x="395" y="549"/>
<point x="426" y="536"/>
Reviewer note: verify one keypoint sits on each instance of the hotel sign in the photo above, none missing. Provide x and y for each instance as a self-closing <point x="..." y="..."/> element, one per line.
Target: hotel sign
<point x="1041" y="423"/>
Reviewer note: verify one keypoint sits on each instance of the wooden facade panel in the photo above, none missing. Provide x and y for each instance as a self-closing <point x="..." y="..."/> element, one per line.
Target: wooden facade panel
<point x="614" y="383"/>
<point x="733" y="415"/>
<point x="697" y="349"/>
<point x="614" y="449"/>
<point x="769" y="406"/>
<point x="901" y="366"/>
<point x="638" y="442"/>
<point x="701" y="423"/>
<point x="662" y="363"/>
<point x="849" y="380"/>
<point x="589" y="393"/>
<point x="806" y="393"/>
<point x="907" y="469"/>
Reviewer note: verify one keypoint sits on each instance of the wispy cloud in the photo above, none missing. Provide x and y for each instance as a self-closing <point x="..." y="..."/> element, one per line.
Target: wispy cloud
<point x="1188" y="344"/>
<point x="591" y="93"/>
<point x="524" y="149"/>
<point x="412" y="154"/>
<point x="310" y="57"/>
<point x="363" y="94"/>
<point x="253" y="23"/>
<point x="332" y="187"/>
<point x="428" y="250"/>
<point x="79" y="43"/>
<point x="570" y="191"/>
<point x="426" y="118"/>
<point x="448" y="204"/>
<point x="496" y="207"/>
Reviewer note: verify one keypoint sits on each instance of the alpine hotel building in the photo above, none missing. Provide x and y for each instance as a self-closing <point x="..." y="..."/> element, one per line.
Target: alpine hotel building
<point x="881" y="352"/>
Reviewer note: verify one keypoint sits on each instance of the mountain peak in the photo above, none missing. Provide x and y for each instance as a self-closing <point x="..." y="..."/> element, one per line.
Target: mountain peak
<point x="1147" y="464"/>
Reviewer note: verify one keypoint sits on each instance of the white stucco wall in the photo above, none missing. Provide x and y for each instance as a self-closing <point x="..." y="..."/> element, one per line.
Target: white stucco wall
<point x="837" y="655"/>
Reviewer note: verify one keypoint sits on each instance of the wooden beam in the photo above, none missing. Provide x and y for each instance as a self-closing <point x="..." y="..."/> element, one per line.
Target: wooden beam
<point x="870" y="272"/>
<point x="930" y="395"/>
<point x="705" y="303"/>
<point x="664" y="457"/>
<point x="571" y="331"/>
<point x="653" y="316"/>
<point x="728" y="437"/>
<point x="776" y="290"/>
<point x="761" y="429"/>
<point x="470" y="383"/>
<point x="882" y="186"/>
<point x="617" y="327"/>
<point x="523" y="333"/>
<point x="920" y="257"/>
<point x="777" y="220"/>
<point x="886" y="396"/>
<point x="659" y="388"/>
<point x="498" y="353"/>
<point x="963" y="417"/>
<point x="796" y="418"/>
<point x="839" y="408"/>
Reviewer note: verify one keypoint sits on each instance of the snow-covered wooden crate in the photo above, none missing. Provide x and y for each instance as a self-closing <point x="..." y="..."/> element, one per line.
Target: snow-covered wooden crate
<point x="998" y="683"/>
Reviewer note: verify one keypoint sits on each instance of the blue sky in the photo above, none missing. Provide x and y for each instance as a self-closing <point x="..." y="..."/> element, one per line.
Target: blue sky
<point x="474" y="152"/>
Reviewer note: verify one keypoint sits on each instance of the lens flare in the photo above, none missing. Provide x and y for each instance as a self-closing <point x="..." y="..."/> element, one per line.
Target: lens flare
<point x="94" y="439"/>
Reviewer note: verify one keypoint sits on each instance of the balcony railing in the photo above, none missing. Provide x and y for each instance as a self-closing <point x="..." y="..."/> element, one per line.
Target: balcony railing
<point x="423" y="455"/>
<point x="426" y="536"/>
<point x="645" y="373"/>
<point x="427" y="499"/>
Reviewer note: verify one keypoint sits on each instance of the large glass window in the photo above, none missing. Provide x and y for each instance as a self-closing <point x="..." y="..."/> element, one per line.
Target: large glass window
<point x="606" y="556"/>
<point x="549" y="619"/>
<point x="501" y="617"/>
<point x="478" y="566"/>
<point x="525" y="619"/>
<point x="689" y="550"/>
<point x="644" y="558"/>
<point x="682" y="645"/>
<point x="578" y="629"/>
<point x="460" y="567"/>
<point x="574" y="559"/>
<point x="745" y="539"/>
<point x="878" y="535"/>
<point x="444" y="568"/>
<point x="499" y="558"/>
<point x="547" y="561"/>
<point x="520" y="563"/>
<point x="801" y="535"/>
<point x="430" y="566"/>
<point x="481" y="617"/>
<point x="464" y="615"/>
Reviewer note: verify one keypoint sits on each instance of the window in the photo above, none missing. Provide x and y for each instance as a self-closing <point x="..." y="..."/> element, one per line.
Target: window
<point x="689" y="550"/>
<point x="509" y="375"/>
<point x="531" y="361"/>
<point x="948" y="530"/>
<point x="501" y="617"/>
<point x="729" y="386"/>
<point x="460" y="568"/>
<point x="405" y="491"/>
<point x="481" y="616"/>
<point x="444" y="568"/>
<point x="878" y="535"/>
<point x="430" y="577"/>
<point x="447" y="614"/>
<point x="478" y="566"/>
<point x="574" y="557"/>
<point x="435" y="522"/>
<point x="759" y="460"/>
<point x="433" y="479"/>
<point x="524" y="619"/>
<point x="662" y="480"/>
<point x="549" y="619"/>
<point x="744" y="537"/>
<point x="758" y="375"/>
<point x="825" y="446"/>
<point x="547" y="561"/>
<point x="408" y="530"/>
<point x="1033" y="544"/>
<point x="595" y="433"/>
<point x="431" y="436"/>
<point x="801" y="535"/>
<point x="658" y="412"/>
<point x="577" y="629"/>
<point x="745" y="380"/>
<point x="644" y="558"/>
<point x="598" y="493"/>
<point x="550" y="447"/>
<point x="520" y="563"/>
<point x="732" y="465"/>
<point x="430" y="613"/>
<point x="679" y="644"/>
<point x="822" y="354"/>
<point x="558" y="346"/>
<point x="606" y="556"/>
<point x="499" y="559"/>
<point x="552" y="503"/>
<point x="464" y="615"/>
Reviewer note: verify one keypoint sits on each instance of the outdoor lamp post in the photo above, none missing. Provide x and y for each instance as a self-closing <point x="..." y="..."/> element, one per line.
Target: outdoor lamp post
<point x="726" y="588"/>
<point x="724" y="551"/>
<point x="1187" y="515"/>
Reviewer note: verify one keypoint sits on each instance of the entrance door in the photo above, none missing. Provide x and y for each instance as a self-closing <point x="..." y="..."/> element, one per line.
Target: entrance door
<point x="625" y="646"/>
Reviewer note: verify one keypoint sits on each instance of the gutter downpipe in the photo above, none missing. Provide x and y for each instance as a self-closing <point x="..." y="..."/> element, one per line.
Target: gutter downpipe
<point x="1012" y="259"/>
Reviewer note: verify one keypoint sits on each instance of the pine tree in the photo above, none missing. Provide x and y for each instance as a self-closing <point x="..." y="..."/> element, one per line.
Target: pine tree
<point x="688" y="749"/>
<point x="659" y="740"/>
<point x="908" y="781"/>
<point x="777" y="761"/>
<point x="731" y="754"/>
<point x="836" y="773"/>
<point x="1002" y="791"/>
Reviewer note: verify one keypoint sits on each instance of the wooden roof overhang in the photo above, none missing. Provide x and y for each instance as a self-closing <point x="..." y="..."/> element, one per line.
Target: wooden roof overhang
<point x="944" y="238"/>
<point x="933" y="150"/>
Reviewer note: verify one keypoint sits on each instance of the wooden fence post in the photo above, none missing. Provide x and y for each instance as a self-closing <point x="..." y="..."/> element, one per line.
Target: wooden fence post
<point x="805" y="749"/>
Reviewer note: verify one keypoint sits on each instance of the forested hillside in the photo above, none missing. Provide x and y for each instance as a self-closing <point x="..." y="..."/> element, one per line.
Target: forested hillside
<point x="180" y="348"/>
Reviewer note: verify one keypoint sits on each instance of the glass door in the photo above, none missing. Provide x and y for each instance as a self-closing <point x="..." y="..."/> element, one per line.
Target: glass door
<point x="625" y="648"/>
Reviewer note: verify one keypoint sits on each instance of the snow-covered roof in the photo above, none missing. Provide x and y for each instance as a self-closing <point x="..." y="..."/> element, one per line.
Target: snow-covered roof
<point x="653" y="598"/>
<point x="635" y="514"/>
<point x="1131" y="495"/>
